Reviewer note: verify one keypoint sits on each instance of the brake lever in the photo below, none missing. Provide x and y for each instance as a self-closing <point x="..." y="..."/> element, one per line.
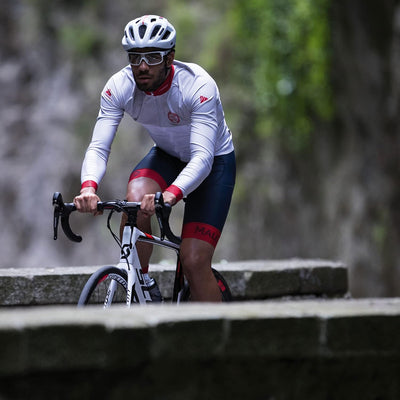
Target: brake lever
<point x="56" y="218"/>
<point x="58" y="205"/>
<point x="63" y="210"/>
<point x="159" y="205"/>
<point x="163" y="211"/>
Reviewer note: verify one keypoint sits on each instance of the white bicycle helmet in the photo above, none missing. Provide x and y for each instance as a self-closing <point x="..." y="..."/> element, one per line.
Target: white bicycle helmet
<point x="149" y="31"/>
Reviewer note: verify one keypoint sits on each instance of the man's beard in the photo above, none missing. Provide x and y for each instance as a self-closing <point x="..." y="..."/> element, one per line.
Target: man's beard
<point x="157" y="83"/>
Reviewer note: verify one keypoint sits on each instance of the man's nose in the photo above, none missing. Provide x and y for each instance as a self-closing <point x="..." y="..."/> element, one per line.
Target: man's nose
<point x="143" y="66"/>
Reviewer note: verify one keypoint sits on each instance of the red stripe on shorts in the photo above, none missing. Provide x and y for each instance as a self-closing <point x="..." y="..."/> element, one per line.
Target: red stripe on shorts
<point x="149" y="173"/>
<point x="205" y="232"/>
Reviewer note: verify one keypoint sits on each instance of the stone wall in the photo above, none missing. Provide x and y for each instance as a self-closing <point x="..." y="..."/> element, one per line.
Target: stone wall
<point x="303" y="338"/>
<point x="267" y="350"/>
<point x="247" y="280"/>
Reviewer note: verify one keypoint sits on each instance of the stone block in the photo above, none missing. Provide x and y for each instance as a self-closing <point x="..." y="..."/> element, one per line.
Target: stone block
<point x="42" y="286"/>
<point x="314" y="349"/>
<point x="248" y="280"/>
<point x="280" y="278"/>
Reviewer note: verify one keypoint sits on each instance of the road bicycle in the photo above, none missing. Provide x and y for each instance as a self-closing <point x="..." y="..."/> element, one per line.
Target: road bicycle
<point x="125" y="282"/>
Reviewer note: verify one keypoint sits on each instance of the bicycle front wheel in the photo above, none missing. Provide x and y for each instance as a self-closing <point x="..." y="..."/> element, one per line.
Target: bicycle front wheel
<point x="106" y="285"/>
<point x="223" y="287"/>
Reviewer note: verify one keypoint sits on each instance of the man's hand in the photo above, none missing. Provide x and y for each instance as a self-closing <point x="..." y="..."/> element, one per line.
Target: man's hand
<point x="86" y="202"/>
<point x="147" y="204"/>
<point x="169" y="198"/>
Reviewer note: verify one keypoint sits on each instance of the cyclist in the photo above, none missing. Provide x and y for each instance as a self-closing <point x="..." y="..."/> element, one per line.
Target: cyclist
<point x="193" y="156"/>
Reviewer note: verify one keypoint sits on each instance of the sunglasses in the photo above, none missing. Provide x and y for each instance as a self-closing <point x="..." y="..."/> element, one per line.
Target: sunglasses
<point x="151" y="58"/>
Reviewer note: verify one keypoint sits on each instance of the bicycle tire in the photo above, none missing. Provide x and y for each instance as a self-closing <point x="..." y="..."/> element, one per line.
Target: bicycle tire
<point x="223" y="286"/>
<point x="95" y="289"/>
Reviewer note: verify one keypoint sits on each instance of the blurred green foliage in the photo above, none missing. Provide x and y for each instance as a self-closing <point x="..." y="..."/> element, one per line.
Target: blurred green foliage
<point x="79" y="39"/>
<point x="274" y="54"/>
<point x="282" y="57"/>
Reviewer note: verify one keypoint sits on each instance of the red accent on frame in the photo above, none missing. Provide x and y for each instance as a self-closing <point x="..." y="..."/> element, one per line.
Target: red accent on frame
<point x="205" y="232"/>
<point x="149" y="173"/>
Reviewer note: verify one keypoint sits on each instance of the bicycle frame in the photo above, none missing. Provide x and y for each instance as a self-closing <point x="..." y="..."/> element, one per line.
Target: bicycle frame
<point x="137" y="290"/>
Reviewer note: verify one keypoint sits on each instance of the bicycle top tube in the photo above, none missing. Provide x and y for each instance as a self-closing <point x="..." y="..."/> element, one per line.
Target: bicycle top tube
<point x="63" y="210"/>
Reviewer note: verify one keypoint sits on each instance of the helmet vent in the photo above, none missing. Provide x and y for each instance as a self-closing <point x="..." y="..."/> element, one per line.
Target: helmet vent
<point x="155" y="31"/>
<point x="166" y="35"/>
<point x="131" y="34"/>
<point x="142" y="31"/>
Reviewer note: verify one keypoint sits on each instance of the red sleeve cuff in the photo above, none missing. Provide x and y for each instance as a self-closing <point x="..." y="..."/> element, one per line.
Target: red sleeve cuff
<point x="175" y="191"/>
<point x="92" y="184"/>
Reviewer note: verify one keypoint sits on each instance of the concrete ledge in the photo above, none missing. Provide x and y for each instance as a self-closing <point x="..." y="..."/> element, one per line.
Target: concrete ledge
<point x="247" y="279"/>
<point x="326" y="349"/>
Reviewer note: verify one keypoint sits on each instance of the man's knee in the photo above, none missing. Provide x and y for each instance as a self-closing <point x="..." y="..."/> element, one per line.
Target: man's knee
<point x="192" y="261"/>
<point x="196" y="256"/>
<point x="137" y="188"/>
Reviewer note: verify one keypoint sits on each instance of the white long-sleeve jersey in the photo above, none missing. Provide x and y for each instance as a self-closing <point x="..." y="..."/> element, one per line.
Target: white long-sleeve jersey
<point x="184" y="117"/>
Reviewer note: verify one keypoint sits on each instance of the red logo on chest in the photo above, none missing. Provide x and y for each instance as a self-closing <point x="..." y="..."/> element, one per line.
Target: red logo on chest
<point x="174" y="118"/>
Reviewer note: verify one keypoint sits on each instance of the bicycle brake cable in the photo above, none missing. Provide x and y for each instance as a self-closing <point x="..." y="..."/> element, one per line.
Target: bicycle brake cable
<point x="125" y="254"/>
<point x="115" y="237"/>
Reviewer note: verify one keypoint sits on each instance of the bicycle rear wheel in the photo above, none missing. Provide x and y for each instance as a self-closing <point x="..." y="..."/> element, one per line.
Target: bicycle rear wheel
<point x="223" y="286"/>
<point x="96" y="289"/>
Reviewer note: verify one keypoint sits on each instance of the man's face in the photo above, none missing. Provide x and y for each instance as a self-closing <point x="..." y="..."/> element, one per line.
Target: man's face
<point x="150" y="77"/>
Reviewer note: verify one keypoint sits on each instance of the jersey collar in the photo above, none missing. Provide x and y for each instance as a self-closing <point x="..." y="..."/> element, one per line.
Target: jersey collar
<point x="164" y="86"/>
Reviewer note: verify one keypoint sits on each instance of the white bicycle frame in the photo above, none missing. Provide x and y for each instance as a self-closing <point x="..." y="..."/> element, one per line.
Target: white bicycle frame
<point x="129" y="261"/>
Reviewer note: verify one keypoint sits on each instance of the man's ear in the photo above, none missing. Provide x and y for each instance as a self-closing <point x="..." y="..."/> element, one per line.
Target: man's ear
<point x="170" y="58"/>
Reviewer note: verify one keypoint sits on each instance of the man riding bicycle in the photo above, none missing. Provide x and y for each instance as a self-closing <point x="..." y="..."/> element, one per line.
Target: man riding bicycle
<point x="193" y="156"/>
